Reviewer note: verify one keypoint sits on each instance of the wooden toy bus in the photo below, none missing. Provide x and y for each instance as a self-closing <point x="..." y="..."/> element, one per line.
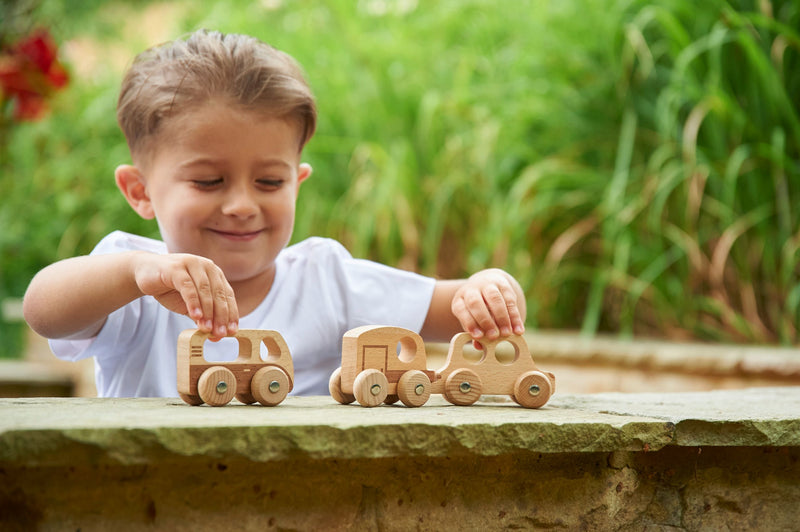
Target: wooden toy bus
<point x="383" y="364"/>
<point x="249" y="378"/>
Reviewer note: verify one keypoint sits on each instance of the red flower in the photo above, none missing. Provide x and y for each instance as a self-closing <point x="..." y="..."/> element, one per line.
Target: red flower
<point x="29" y="73"/>
<point x="41" y="50"/>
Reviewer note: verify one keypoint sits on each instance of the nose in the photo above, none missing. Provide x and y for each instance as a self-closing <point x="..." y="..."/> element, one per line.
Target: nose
<point x="239" y="201"/>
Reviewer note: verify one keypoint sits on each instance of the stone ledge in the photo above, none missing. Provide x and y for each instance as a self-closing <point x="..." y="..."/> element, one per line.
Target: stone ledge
<point x="49" y="431"/>
<point x="725" y="460"/>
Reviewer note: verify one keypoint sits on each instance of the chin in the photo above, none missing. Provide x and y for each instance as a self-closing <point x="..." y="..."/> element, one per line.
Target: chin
<point x="238" y="275"/>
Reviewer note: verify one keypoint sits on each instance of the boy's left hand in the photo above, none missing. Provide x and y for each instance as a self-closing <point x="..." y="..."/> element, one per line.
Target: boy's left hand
<point x="488" y="305"/>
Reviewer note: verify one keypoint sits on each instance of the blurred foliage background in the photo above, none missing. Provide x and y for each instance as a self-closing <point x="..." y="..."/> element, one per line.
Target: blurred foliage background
<point x="635" y="164"/>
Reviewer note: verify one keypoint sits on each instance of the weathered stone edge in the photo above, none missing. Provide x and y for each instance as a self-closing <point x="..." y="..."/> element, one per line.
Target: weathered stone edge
<point x="269" y="443"/>
<point x="137" y="431"/>
<point x="744" y="433"/>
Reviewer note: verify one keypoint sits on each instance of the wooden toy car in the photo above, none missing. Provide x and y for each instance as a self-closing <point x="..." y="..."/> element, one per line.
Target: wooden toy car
<point x="383" y="364"/>
<point x="249" y="378"/>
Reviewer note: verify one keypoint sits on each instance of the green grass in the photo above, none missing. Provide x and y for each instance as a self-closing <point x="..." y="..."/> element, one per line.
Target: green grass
<point x="634" y="164"/>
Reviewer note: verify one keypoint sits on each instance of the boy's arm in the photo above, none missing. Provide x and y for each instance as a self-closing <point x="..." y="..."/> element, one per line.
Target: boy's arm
<point x="72" y="298"/>
<point x="490" y="303"/>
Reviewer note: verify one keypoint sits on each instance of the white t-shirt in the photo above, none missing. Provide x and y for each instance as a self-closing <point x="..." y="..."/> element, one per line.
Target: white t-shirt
<point x="320" y="292"/>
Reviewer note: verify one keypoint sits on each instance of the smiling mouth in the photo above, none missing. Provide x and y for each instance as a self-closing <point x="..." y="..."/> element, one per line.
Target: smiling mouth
<point x="239" y="236"/>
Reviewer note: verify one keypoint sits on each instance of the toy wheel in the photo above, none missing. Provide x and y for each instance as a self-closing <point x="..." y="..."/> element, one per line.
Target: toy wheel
<point x="391" y="399"/>
<point x="414" y="388"/>
<point x="462" y="387"/>
<point x="532" y="389"/>
<point x="246" y="398"/>
<point x="335" y="387"/>
<point x="216" y="386"/>
<point x="270" y="386"/>
<point x="370" y="387"/>
<point x="193" y="400"/>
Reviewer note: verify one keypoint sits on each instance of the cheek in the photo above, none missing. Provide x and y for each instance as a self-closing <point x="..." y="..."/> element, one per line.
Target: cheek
<point x="284" y="207"/>
<point x="184" y="207"/>
<point x="177" y="216"/>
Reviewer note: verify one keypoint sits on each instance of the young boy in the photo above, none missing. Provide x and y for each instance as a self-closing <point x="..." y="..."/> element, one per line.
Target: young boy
<point x="216" y="125"/>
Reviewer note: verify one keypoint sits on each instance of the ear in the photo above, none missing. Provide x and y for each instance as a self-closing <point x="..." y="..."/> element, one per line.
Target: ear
<point x="303" y="173"/>
<point x="132" y="184"/>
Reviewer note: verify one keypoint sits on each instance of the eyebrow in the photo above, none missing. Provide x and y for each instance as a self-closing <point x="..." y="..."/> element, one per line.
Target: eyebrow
<point x="207" y="161"/>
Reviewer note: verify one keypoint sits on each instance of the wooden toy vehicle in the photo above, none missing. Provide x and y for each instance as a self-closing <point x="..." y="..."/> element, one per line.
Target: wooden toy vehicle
<point x="383" y="364"/>
<point x="249" y="378"/>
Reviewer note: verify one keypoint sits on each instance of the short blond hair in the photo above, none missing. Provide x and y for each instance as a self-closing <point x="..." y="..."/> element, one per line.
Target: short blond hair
<point x="169" y="79"/>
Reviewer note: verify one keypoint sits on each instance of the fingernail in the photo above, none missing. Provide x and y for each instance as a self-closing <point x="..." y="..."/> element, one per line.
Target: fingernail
<point x="207" y="325"/>
<point x="477" y="333"/>
<point x="492" y="333"/>
<point x="505" y="331"/>
<point x="233" y="327"/>
<point x="519" y="329"/>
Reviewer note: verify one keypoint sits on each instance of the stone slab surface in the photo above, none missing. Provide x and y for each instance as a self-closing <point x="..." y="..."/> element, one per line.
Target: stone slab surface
<point x="725" y="460"/>
<point x="48" y="430"/>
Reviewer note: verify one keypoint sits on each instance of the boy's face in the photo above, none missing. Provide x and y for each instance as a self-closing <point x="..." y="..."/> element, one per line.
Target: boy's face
<point x="222" y="183"/>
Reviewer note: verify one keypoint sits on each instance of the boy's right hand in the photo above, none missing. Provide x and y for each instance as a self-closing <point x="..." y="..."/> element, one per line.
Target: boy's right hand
<point x="190" y="285"/>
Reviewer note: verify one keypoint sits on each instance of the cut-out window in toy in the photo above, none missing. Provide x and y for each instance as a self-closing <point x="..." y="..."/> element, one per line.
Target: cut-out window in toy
<point x="225" y="350"/>
<point x="406" y="349"/>
<point x="506" y="353"/>
<point x="472" y="354"/>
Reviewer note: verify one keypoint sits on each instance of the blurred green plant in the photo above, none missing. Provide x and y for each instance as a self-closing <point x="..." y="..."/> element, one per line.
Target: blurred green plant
<point x="634" y="164"/>
<point x="708" y="242"/>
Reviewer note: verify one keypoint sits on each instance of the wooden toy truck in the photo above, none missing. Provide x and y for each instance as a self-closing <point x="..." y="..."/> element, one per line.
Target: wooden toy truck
<point x="383" y="364"/>
<point x="249" y="378"/>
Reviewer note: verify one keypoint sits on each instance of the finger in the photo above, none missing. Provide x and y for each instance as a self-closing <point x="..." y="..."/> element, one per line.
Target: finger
<point x="517" y="325"/>
<point x="476" y="304"/>
<point x="512" y="308"/>
<point x="505" y="309"/>
<point x="464" y="317"/>
<point x="180" y="281"/>
<point x="223" y="296"/>
<point x="496" y="305"/>
<point x="233" y="313"/>
<point x="199" y="292"/>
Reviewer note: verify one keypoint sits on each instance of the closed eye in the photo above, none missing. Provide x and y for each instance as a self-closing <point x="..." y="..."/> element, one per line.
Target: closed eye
<point x="207" y="183"/>
<point x="270" y="184"/>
